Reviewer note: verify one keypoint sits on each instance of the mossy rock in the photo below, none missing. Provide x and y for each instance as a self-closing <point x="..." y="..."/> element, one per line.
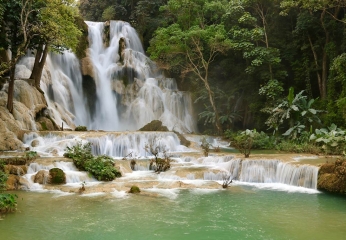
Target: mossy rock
<point x="57" y="176"/>
<point x="134" y="189"/>
<point x="81" y="128"/>
<point x="183" y="140"/>
<point x="155" y="125"/>
<point x="327" y="168"/>
<point x="332" y="177"/>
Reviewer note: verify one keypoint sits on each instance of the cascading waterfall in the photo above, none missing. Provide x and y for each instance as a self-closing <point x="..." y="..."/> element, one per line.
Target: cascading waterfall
<point x="130" y="89"/>
<point x="274" y="171"/>
<point x="73" y="176"/>
<point x="133" y="145"/>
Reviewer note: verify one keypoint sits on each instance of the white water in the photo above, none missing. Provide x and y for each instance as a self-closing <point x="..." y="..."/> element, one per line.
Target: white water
<point x="132" y="93"/>
<point x="274" y="171"/>
<point x="73" y="176"/>
<point x="128" y="94"/>
<point x="261" y="173"/>
<point x="133" y="144"/>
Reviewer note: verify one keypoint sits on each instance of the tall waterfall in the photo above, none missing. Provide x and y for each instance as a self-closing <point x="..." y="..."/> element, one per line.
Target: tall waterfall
<point x="130" y="90"/>
<point x="126" y="89"/>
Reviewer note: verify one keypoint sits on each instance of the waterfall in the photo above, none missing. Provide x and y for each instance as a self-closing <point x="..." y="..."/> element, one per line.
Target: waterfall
<point x="275" y="171"/>
<point x="133" y="144"/>
<point x="126" y="89"/>
<point x="130" y="90"/>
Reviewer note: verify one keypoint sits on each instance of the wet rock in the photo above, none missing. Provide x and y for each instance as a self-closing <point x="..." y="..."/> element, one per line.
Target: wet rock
<point x="41" y="177"/>
<point x="12" y="182"/>
<point x="134" y="189"/>
<point x="332" y="177"/>
<point x="155" y="125"/>
<point x="35" y="143"/>
<point x="16" y="170"/>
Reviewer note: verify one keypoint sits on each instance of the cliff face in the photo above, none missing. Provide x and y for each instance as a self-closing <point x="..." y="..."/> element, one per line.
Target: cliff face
<point x="29" y="104"/>
<point x="332" y="177"/>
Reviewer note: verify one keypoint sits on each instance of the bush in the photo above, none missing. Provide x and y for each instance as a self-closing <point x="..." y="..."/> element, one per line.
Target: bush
<point x="205" y="145"/>
<point x="331" y="139"/>
<point x="80" y="154"/>
<point x="243" y="142"/>
<point x="81" y="128"/>
<point x="158" y="164"/>
<point x="262" y="141"/>
<point x="101" y="167"/>
<point x="8" y="202"/>
<point x="292" y="146"/>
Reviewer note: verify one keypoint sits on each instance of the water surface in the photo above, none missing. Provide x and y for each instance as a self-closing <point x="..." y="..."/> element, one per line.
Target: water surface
<point x="241" y="212"/>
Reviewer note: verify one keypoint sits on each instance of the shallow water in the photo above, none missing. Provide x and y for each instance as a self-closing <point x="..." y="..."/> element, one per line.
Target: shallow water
<point x="241" y="212"/>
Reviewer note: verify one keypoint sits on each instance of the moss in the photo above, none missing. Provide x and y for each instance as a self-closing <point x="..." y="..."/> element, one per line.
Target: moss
<point x="134" y="189"/>
<point x="332" y="177"/>
<point x="44" y="126"/>
<point x="81" y="128"/>
<point x="155" y="125"/>
<point x="84" y="40"/>
<point x="183" y="140"/>
<point x="57" y="176"/>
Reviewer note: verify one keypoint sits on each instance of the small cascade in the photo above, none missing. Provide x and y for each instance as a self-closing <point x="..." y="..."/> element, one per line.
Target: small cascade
<point x="274" y="171"/>
<point x="51" y="143"/>
<point x="72" y="174"/>
<point x="132" y="144"/>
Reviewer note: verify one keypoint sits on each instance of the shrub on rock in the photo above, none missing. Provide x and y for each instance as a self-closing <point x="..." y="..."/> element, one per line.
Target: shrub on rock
<point x="57" y="176"/>
<point x="81" y="128"/>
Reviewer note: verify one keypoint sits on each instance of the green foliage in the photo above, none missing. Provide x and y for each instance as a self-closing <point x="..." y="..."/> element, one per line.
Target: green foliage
<point x="109" y="13"/>
<point x="3" y="176"/>
<point x="101" y="167"/>
<point x="294" y="147"/>
<point x="295" y="109"/>
<point x="80" y="153"/>
<point x="8" y="202"/>
<point x="81" y="128"/>
<point x="30" y="155"/>
<point x="158" y="164"/>
<point x="205" y="145"/>
<point x="243" y="142"/>
<point x="262" y="141"/>
<point x="44" y="126"/>
<point x="332" y="139"/>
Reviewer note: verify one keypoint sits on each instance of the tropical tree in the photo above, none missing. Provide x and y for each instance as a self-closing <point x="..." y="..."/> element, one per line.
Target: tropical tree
<point x="20" y="24"/>
<point x="192" y="41"/>
<point x="57" y="32"/>
<point x="320" y="26"/>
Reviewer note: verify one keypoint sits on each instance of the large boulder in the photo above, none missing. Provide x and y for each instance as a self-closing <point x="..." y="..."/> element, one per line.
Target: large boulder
<point x="41" y="177"/>
<point x="28" y="101"/>
<point x="57" y="176"/>
<point x="332" y="177"/>
<point x="155" y="125"/>
<point x="16" y="170"/>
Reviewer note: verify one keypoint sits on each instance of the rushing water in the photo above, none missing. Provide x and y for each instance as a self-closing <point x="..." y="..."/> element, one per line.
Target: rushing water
<point x="236" y="213"/>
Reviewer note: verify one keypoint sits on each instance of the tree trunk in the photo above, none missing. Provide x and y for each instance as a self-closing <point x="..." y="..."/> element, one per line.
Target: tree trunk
<point x="319" y="77"/>
<point x="40" y="60"/>
<point x="211" y="99"/>
<point x="11" y="87"/>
